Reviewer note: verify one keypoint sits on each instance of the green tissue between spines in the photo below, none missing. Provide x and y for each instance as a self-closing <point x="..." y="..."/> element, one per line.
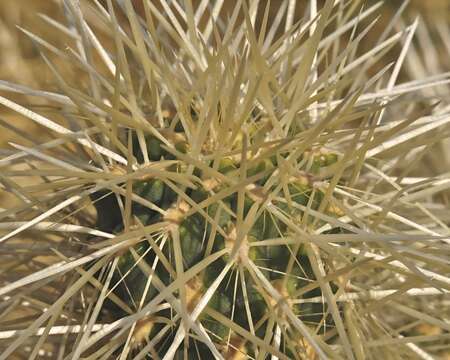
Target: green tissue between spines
<point x="194" y="231"/>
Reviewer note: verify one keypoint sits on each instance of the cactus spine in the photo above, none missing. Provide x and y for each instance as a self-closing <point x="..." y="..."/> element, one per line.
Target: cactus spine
<point x="229" y="164"/>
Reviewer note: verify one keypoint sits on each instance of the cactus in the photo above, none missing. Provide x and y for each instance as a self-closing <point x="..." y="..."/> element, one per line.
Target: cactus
<point x="216" y="186"/>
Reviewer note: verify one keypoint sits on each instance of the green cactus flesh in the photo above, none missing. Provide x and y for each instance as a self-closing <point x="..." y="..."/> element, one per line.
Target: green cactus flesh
<point x="195" y="234"/>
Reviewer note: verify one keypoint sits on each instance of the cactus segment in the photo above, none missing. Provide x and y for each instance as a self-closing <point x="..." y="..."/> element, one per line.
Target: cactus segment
<point x="194" y="230"/>
<point x="224" y="179"/>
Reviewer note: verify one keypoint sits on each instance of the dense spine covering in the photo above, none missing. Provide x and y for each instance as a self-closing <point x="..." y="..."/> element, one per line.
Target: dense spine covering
<point x="193" y="232"/>
<point x="246" y="177"/>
